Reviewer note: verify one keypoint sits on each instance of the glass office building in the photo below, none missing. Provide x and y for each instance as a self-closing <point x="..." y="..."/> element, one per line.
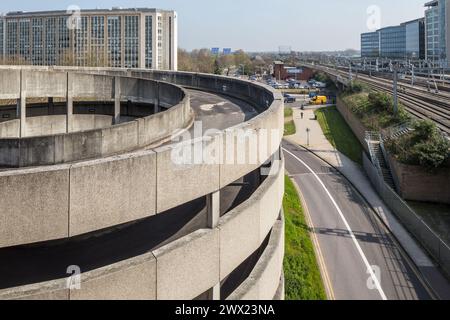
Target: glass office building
<point x="406" y="41"/>
<point x="437" y="19"/>
<point x="129" y="38"/>
<point x="370" y="45"/>
<point x="393" y="42"/>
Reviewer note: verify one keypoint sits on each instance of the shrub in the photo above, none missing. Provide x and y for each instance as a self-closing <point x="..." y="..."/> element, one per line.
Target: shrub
<point x="425" y="146"/>
<point x="353" y="88"/>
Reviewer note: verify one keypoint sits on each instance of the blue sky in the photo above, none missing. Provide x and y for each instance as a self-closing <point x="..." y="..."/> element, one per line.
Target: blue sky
<point x="259" y="25"/>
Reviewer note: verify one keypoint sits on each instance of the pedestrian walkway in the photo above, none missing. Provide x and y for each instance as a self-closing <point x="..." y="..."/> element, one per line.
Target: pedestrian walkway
<point x="309" y="134"/>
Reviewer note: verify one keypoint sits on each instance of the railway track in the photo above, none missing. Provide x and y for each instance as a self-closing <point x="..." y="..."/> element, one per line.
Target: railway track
<point x="418" y="103"/>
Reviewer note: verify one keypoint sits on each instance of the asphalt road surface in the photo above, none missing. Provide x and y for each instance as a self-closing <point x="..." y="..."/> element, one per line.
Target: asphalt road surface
<point x="361" y="259"/>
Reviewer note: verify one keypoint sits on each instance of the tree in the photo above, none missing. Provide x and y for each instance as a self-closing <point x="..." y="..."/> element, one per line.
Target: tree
<point x="217" y="68"/>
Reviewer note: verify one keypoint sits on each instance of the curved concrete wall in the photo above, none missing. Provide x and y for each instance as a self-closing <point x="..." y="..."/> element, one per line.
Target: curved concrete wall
<point x="54" y="125"/>
<point x="68" y="147"/>
<point x="198" y="261"/>
<point x="93" y="195"/>
<point x="165" y="184"/>
<point x="264" y="281"/>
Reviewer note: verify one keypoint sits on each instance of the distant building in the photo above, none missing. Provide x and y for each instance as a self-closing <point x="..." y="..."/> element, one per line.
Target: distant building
<point x="130" y="38"/>
<point x="370" y="45"/>
<point x="437" y="25"/>
<point x="406" y="41"/>
<point x="282" y="72"/>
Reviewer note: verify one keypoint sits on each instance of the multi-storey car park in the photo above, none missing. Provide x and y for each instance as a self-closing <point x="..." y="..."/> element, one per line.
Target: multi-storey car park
<point x="95" y="205"/>
<point x="127" y="38"/>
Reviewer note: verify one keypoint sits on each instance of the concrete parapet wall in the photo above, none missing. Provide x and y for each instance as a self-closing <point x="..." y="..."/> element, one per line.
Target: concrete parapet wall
<point x="44" y="139"/>
<point x="175" y="184"/>
<point x="185" y="268"/>
<point x="109" y="192"/>
<point x="34" y="205"/>
<point x="264" y="281"/>
<point x="244" y="229"/>
<point x="96" y="194"/>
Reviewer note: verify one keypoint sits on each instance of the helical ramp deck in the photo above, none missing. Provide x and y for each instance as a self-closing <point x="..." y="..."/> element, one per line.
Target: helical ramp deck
<point x="108" y="192"/>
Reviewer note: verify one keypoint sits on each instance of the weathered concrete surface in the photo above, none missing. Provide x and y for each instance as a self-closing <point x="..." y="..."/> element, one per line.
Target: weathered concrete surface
<point x="33" y="205"/>
<point x="244" y="229"/>
<point x="52" y="290"/>
<point x="112" y="191"/>
<point x="264" y="280"/>
<point x="192" y="261"/>
<point x="183" y="175"/>
<point x="10" y="129"/>
<point x="417" y="184"/>
<point x="134" y="279"/>
<point x="42" y="150"/>
<point x="239" y="236"/>
<point x="9" y="84"/>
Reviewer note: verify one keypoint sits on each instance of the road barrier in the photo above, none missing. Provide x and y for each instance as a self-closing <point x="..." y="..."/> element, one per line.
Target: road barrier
<point x="436" y="247"/>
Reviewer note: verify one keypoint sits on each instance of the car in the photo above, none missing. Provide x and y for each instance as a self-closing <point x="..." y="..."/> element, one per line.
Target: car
<point x="289" y="99"/>
<point x="320" y="85"/>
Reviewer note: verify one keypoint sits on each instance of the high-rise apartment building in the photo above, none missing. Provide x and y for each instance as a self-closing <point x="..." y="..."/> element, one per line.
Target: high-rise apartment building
<point x="129" y="38"/>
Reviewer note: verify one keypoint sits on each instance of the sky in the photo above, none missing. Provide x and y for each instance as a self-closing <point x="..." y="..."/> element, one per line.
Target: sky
<point x="261" y="25"/>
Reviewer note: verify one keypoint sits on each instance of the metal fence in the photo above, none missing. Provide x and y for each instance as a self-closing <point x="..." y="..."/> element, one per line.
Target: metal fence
<point x="410" y="220"/>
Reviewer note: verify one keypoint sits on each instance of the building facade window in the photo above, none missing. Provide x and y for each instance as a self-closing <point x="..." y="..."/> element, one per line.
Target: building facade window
<point x="149" y="42"/>
<point x="115" y="41"/>
<point x="118" y="38"/>
<point x="131" y="41"/>
<point x="37" y="27"/>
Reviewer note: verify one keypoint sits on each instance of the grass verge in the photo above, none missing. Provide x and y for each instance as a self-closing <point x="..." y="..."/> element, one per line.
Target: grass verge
<point x="302" y="275"/>
<point x="289" y="128"/>
<point x="339" y="134"/>
<point x="289" y="124"/>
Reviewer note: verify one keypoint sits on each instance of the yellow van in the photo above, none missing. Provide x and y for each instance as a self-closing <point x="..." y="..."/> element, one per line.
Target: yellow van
<point x="319" y="100"/>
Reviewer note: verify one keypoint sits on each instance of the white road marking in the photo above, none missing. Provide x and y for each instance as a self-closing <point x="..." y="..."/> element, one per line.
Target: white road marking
<point x="209" y="107"/>
<point x="352" y="235"/>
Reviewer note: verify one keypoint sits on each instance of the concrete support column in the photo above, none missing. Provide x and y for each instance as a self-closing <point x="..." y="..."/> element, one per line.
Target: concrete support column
<point x="22" y="112"/>
<point x="157" y="102"/>
<point x="22" y="106"/>
<point x="117" y="94"/>
<point x="215" y="292"/>
<point x="69" y="117"/>
<point x="213" y="205"/>
<point x="69" y="104"/>
<point x="51" y="106"/>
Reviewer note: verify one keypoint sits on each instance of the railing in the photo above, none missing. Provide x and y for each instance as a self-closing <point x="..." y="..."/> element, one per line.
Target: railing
<point x="436" y="247"/>
<point x="371" y="137"/>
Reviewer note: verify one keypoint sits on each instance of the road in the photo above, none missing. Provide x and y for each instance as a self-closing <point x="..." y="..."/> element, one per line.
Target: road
<point x="361" y="259"/>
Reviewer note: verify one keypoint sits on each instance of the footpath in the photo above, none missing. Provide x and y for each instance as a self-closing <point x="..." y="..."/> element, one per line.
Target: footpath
<point x="316" y="142"/>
